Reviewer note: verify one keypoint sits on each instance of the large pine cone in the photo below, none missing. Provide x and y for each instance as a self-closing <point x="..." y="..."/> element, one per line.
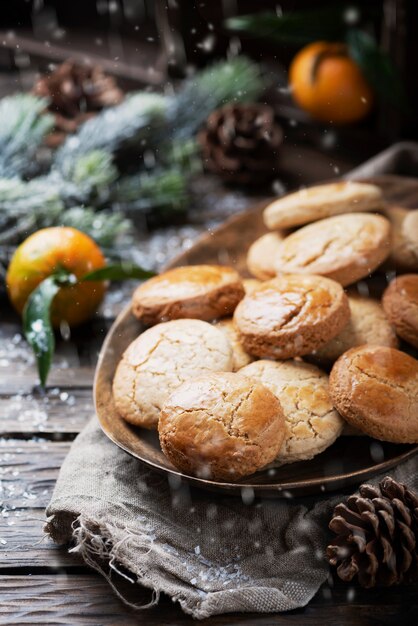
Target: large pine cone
<point x="75" y="93"/>
<point x="240" y="143"/>
<point x="377" y="535"/>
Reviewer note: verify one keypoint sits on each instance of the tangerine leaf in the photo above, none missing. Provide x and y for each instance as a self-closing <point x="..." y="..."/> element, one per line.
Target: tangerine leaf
<point x="118" y="271"/>
<point x="37" y="325"/>
<point x="377" y="68"/>
<point x="328" y="23"/>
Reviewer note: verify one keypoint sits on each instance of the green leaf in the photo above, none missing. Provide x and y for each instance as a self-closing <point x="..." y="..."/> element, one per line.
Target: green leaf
<point x="298" y="27"/>
<point x="377" y="68"/>
<point x="37" y="325"/>
<point x="119" y="271"/>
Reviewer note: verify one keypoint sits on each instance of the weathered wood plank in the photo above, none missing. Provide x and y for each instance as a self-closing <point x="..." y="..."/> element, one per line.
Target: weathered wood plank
<point x="63" y="377"/>
<point x="56" y="411"/>
<point x="28" y="471"/>
<point x="24" y="549"/>
<point x="23" y="544"/>
<point x="83" y="599"/>
<point x="73" y="363"/>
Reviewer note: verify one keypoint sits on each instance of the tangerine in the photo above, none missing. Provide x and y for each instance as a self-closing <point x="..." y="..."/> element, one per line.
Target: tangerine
<point x="50" y="250"/>
<point x="328" y="84"/>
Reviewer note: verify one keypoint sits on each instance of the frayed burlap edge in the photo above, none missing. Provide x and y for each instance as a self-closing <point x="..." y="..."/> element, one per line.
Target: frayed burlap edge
<point x="105" y="548"/>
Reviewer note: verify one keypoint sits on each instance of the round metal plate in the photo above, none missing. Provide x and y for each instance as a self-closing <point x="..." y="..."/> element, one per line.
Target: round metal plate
<point x="349" y="461"/>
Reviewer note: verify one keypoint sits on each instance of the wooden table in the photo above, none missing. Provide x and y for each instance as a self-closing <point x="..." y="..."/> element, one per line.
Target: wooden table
<point x="43" y="584"/>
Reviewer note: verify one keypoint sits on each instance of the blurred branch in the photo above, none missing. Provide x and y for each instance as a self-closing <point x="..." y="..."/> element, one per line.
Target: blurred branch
<point x="300" y="27"/>
<point x="377" y="68"/>
<point x="23" y="127"/>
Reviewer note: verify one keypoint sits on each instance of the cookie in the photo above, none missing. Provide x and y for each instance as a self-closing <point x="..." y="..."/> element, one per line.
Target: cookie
<point x="321" y="201"/>
<point x="260" y="257"/>
<point x="404" y="250"/>
<point x="400" y="302"/>
<point x="251" y="284"/>
<point x="344" y="248"/>
<point x="159" y="360"/>
<point x="312" y="423"/>
<point x="376" y="390"/>
<point x="202" y="292"/>
<point x="291" y="315"/>
<point x="221" y="426"/>
<point x="240" y="356"/>
<point x="368" y="324"/>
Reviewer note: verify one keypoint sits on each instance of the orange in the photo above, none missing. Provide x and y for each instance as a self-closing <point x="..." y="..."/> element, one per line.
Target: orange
<point x="328" y="84"/>
<point x="47" y="251"/>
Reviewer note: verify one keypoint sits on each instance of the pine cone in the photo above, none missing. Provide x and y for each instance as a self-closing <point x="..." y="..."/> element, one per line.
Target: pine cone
<point x="377" y="535"/>
<point x="240" y="143"/>
<point x="75" y="93"/>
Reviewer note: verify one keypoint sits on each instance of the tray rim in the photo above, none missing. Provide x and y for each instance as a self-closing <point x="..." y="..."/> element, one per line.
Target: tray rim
<point x="276" y="489"/>
<point x="322" y="485"/>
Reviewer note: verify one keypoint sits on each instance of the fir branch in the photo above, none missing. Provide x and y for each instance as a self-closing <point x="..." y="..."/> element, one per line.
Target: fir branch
<point x="87" y="180"/>
<point x="163" y="191"/>
<point x="23" y="126"/>
<point x="146" y="120"/>
<point x="39" y="203"/>
<point x="94" y="168"/>
<point x="105" y="227"/>
<point x="27" y="206"/>
<point x="84" y="173"/>
<point x="236" y="80"/>
<point x="183" y="155"/>
<point x="115" y="129"/>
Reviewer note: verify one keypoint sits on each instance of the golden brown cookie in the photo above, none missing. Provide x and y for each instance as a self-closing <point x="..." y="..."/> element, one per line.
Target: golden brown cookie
<point x="404" y="250"/>
<point x="195" y="291"/>
<point x="291" y="315"/>
<point x="376" y="390"/>
<point x="251" y="284"/>
<point x="240" y="356"/>
<point x="321" y="201"/>
<point x="221" y="426"/>
<point x="344" y="248"/>
<point x="312" y="423"/>
<point x="260" y="257"/>
<point x="368" y="324"/>
<point x="400" y="302"/>
<point x="159" y="360"/>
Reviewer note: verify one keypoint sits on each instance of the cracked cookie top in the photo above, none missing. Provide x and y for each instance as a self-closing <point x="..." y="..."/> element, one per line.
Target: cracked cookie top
<point x="312" y="423"/>
<point x="159" y="360"/>
<point x="321" y="201"/>
<point x="221" y="426"/>
<point x="240" y="356"/>
<point x="368" y="324"/>
<point x="375" y="389"/>
<point x="346" y="247"/>
<point x="195" y="291"/>
<point x="291" y="315"/>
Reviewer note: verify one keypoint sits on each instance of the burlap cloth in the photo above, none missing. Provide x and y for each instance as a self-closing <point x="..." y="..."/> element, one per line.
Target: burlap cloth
<point x="212" y="554"/>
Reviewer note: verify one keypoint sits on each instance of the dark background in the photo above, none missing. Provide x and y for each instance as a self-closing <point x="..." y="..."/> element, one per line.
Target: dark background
<point x="152" y="41"/>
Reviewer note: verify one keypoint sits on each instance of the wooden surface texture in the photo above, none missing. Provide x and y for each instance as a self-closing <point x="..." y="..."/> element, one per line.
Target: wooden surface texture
<point x="43" y="584"/>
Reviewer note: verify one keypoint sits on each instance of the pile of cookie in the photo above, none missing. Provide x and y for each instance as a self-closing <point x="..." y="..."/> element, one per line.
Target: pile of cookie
<point x="239" y="373"/>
